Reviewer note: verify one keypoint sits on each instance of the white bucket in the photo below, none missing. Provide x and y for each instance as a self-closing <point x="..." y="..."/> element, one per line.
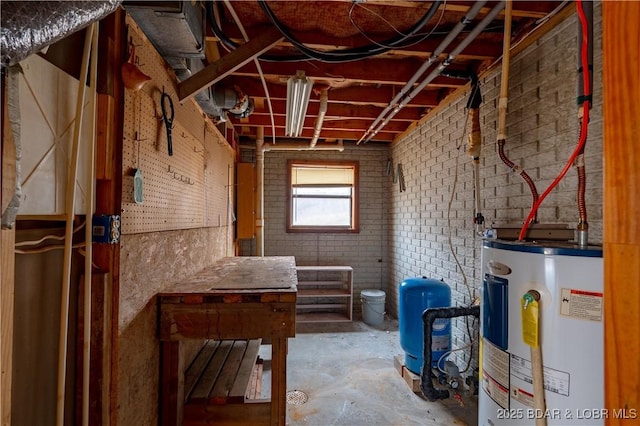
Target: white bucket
<point x="372" y="306"/>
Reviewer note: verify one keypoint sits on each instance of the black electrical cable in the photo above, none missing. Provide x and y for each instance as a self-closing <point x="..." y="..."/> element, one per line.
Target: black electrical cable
<point x="415" y="39"/>
<point x="353" y="54"/>
<point x="336" y="56"/>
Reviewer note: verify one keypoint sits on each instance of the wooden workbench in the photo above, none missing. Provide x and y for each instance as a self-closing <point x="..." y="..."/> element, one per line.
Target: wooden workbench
<point x="235" y="298"/>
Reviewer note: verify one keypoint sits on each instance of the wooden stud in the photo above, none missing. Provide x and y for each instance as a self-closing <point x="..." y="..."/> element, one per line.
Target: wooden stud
<point x="621" y="65"/>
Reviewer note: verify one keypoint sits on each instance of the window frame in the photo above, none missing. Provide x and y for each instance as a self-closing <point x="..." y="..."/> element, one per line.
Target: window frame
<point x="355" y="205"/>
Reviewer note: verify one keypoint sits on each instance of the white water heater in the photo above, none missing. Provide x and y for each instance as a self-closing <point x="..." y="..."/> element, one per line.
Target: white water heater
<point x="569" y="280"/>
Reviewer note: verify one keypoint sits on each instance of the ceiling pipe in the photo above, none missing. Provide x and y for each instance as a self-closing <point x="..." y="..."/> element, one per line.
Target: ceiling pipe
<point x="443" y="65"/>
<point x="292" y="146"/>
<point x="466" y="19"/>
<point x="324" y="99"/>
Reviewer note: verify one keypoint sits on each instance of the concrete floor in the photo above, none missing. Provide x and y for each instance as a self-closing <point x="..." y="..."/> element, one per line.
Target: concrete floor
<point x="347" y="371"/>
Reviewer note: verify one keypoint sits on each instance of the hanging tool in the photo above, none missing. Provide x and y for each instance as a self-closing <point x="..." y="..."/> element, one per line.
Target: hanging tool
<point x="168" y="119"/>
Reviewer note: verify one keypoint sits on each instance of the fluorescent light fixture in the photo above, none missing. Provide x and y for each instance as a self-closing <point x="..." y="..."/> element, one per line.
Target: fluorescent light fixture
<point x="298" y="93"/>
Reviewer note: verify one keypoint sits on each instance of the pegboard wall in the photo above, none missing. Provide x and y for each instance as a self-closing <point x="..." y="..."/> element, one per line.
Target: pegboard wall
<point x="192" y="188"/>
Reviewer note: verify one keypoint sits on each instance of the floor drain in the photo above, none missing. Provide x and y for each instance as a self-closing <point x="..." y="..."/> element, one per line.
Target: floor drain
<point x="296" y="397"/>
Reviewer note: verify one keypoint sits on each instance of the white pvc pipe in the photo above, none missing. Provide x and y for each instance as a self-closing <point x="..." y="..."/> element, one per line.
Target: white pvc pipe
<point x="88" y="234"/>
<point x="69" y="215"/>
<point x="304" y="147"/>
<point x="324" y="99"/>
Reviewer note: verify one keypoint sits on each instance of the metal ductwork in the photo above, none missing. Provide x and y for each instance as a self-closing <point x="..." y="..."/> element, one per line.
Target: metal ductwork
<point x="177" y="31"/>
<point x="28" y="27"/>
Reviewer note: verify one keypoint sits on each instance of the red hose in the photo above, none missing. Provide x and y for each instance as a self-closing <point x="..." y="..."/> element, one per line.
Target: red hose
<point x="584" y="125"/>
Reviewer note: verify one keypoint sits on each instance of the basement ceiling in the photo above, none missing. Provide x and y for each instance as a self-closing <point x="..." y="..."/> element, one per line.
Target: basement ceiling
<point x="363" y="52"/>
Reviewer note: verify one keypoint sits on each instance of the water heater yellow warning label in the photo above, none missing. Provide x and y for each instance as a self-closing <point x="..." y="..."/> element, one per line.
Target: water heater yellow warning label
<point x="586" y="305"/>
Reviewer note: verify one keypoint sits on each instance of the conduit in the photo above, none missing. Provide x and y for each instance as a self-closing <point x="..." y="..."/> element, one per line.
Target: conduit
<point x="466" y="19"/>
<point x="324" y="99"/>
<point x="502" y="105"/>
<point x="69" y="213"/>
<point x="428" y="318"/>
<point x="443" y="65"/>
<point x="586" y="77"/>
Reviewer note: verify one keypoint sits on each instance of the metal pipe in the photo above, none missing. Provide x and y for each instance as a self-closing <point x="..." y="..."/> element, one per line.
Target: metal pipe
<point x="444" y="64"/>
<point x="428" y="317"/>
<point x="582" y="229"/>
<point x="324" y="99"/>
<point x="471" y="13"/>
<point x="304" y="147"/>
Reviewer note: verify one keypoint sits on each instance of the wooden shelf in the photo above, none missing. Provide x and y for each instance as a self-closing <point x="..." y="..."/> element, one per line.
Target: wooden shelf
<point x="325" y="293"/>
<point x="321" y="317"/>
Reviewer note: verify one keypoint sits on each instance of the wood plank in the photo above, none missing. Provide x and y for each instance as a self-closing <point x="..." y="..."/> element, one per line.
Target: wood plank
<point x="325" y="268"/>
<point x="196" y="369"/>
<point x="240" y="273"/>
<point x="227" y="376"/>
<point x="279" y="348"/>
<point x="253" y="414"/>
<point x="321" y="306"/>
<point x="202" y="390"/>
<point x="320" y="283"/>
<point x="169" y="384"/>
<point x="246" y="200"/>
<point x="245" y="372"/>
<point x="7" y="273"/>
<point x="303" y="317"/>
<point x="621" y="248"/>
<point x="220" y="320"/>
<point x="323" y="292"/>
<point x="218" y="70"/>
<point x="411" y="379"/>
<point x="255" y="384"/>
<point x="112" y="44"/>
<point x="7" y="265"/>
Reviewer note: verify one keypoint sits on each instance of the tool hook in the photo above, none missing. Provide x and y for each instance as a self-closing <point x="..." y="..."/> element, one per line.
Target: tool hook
<point x="167" y="118"/>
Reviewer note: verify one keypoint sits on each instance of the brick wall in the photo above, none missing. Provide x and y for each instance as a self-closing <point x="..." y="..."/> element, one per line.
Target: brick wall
<point x="366" y="251"/>
<point x="542" y="130"/>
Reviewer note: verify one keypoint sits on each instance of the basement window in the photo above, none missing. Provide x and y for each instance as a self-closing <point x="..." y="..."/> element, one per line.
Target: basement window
<point x="322" y="196"/>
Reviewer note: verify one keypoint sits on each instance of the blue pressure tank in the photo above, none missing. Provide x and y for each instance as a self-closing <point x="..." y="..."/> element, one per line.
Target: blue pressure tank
<point x="416" y="295"/>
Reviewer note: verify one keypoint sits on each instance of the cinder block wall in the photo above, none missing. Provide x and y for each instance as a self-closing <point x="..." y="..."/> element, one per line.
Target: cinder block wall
<point x="542" y="130"/>
<point x="366" y="251"/>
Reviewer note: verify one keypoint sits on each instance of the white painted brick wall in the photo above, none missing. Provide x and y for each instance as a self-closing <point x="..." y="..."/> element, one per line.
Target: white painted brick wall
<point x="366" y="251"/>
<point x="542" y="130"/>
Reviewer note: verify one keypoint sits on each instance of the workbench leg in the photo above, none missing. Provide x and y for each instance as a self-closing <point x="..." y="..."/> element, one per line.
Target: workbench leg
<point x="279" y="381"/>
<point x="169" y="383"/>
